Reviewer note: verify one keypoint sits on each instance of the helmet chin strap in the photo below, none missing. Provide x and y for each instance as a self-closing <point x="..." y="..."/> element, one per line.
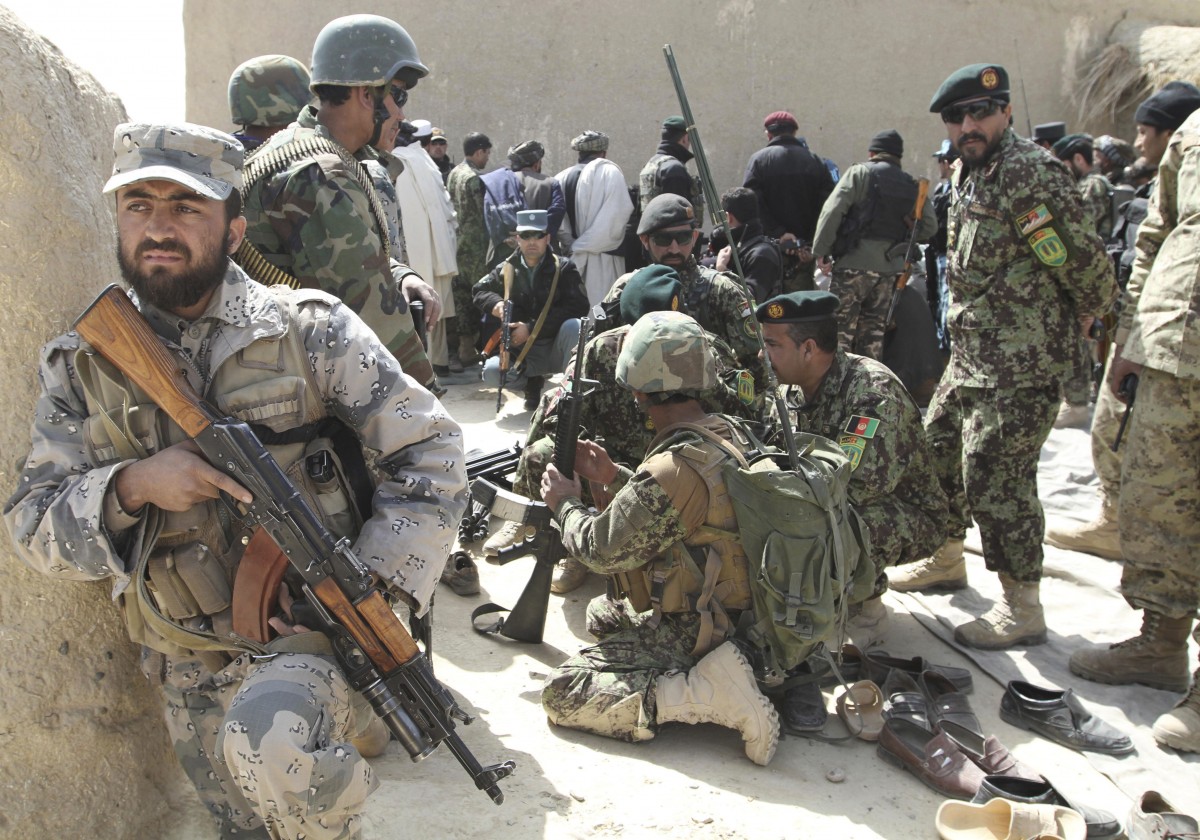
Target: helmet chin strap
<point x="381" y="115"/>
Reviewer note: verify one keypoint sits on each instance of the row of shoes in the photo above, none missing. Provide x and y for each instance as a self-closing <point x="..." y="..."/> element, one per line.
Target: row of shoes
<point x="1150" y="818"/>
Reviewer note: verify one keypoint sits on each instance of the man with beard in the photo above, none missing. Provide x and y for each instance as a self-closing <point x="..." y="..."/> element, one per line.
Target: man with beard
<point x="668" y="230"/>
<point x="311" y="208"/>
<point x="113" y="489"/>
<point x="1026" y="272"/>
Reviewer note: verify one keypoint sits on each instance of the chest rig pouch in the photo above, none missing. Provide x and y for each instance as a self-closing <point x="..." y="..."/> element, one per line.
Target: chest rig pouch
<point x="184" y="565"/>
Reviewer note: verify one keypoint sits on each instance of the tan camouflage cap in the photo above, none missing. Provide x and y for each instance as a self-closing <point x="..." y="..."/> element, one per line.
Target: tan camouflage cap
<point x="200" y="158"/>
<point x="666" y="352"/>
<point x="269" y="90"/>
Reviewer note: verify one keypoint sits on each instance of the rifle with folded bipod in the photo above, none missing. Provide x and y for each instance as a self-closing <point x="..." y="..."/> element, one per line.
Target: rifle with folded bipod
<point x="713" y="200"/>
<point x="526" y="621"/>
<point x="910" y="253"/>
<point x="375" y="651"/>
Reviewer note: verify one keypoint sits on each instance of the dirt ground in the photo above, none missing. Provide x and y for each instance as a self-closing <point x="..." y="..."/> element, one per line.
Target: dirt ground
<point x="690" y="782"/>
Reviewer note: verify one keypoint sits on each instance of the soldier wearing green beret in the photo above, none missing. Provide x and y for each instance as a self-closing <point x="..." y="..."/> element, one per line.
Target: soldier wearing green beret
<point x="861" y="405"/>
<point x="666" y="171"/>
<point x="1026" y="272"/>
<point x="669" y="660"/>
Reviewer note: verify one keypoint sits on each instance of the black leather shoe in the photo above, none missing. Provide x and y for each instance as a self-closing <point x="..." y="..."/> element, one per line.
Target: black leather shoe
<point x="1059" y="716"/>
<point x="947" y="704"/>
<point x="1100" y="824"/>
<point x="802" y="708"/>
<point x="876" y="665"/>
<point x="903" y="699"/>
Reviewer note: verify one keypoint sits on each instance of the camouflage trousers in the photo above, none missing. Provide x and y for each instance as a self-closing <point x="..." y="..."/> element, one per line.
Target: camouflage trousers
<point x="1159" y="512"/>
<point x="1105" y="422"/>
<point x="985" y="444"/>
<point x="900" y="532"/>
<point x="608" y="688"/>
<point x="265" y="743"/>
<point x="466" y="315"/>
<point x="1077" y="390"/>
<point x="865" y="296"/>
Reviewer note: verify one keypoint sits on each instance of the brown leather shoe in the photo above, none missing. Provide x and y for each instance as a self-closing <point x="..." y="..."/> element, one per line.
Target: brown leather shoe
<point x="988" y="754"/>
<point x="934" y="759"/>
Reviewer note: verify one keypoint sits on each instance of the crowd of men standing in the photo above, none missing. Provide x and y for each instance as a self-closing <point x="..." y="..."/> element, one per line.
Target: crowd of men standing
<point x="341" y="198"/>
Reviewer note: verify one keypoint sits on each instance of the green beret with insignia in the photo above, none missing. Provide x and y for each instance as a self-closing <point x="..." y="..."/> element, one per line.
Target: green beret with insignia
<point x="798" y="307"/>
<point x="655" y="288"/>
<point x="664" y="211"/>
<point x="673" y="128"/>
<point x="971" y="82"/>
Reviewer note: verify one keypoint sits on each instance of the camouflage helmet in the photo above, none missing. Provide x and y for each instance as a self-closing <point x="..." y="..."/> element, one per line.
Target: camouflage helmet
<point x="667" y="353"/>
<point x="269" y="90"/>
<point x="365" y="51"/>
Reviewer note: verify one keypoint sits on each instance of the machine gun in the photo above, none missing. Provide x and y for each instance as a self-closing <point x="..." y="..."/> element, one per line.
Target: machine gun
<point x="374" y="649"/>
<point x="526" y="621"/>
<point x="910" y="253"/>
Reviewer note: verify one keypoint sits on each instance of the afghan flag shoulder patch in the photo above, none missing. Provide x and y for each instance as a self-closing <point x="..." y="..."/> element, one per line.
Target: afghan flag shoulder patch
<point x="861" y="426"/>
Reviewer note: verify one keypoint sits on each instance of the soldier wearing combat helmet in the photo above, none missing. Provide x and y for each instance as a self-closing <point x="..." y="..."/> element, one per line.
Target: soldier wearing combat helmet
<point x="265" y="95"/>
<point x="669" y="660"/>
<point x="1025" y="271"/>
<point x="311" y="208"/>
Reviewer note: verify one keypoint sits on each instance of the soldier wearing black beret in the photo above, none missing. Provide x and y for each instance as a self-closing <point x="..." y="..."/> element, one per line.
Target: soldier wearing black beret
<point x="861" y="405"/>
<point x="1026" y="271"/>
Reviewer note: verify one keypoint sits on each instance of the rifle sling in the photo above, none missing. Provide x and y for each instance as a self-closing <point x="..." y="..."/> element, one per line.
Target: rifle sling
<point x="541" y="320"/>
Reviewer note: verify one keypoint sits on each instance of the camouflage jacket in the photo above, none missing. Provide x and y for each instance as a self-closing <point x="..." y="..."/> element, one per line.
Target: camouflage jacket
<point x="466" y="193"/>
<point x="315" y="221"/>
<point x="1096" y="193"/>
<point x="865" y="409"/>
<point x="721" y="305"/>
<point x="1158" y="315"/>
<point x="65" y="523"/>
<point x="1022" y="265"/>
<point x="609" y="412"/>
<point x="663" y="502"/>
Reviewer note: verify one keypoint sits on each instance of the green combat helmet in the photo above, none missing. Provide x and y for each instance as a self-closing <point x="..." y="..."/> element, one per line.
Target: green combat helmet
<point x="269" y="91"/>
<point x="365" y="51"/>
<point x="667" y="353"/>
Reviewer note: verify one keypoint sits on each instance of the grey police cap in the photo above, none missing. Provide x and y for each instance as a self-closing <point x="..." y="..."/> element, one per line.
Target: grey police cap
<point x="206" y="161"/>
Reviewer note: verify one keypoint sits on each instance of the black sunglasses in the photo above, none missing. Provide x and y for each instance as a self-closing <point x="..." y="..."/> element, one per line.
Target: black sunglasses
<point x="954" y="114"/>
<point x="399" y="95"/>
<point x="679" y="237"/>
<point x="532" y="234"/>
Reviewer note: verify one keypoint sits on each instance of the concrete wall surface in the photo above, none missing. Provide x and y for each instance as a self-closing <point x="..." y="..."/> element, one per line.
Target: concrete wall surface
<point x="83" y="752"/>
<point x="847" y="69"/>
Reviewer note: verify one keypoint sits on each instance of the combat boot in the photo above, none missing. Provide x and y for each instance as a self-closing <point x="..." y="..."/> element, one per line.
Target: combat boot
<point x="1016" y="619"/>
<point x="1100" y="537"/>
<point x="721" y="689"/>
<point x="1180" y="727"/>
<point x="1072" y="416"/>
<point x="1157" y="656"/>
<point x="569" y="576"/>
<point x="511" y="534"/>
<point x="467" y="354"/>
<point x="867" y="622"/>
<point x="945" y="569"/>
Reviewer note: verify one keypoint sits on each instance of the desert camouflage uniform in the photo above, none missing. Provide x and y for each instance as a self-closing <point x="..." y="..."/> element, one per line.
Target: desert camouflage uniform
<point x="1013" y="323"/>
<point x="1159" y="511"/>
<point x="610" y="413"/>
<point x="261" y="739"/>
<point x="893" y="486"/>
<point x="314" y="221"/>
<point x="722" y="306"/>
<point x="608" y="688"/>
<point x="466" y="192"/>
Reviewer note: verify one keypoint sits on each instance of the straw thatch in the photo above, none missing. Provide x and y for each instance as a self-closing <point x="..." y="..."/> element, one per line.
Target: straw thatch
<point x="1137" y="58"/>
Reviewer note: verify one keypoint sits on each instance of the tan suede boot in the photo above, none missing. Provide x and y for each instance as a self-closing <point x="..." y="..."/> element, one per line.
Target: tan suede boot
<point x="945" y="569"/>
<point x="1100" y="537"/>
<point x="721" y="689"/>
<point x="1016" y="619"/>
<point x="1180" y="727"/>
<point x="569" y="576"/>
<point x="1157" y="656"/>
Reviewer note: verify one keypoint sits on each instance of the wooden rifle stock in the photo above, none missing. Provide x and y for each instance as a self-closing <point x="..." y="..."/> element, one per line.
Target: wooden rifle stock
<point x="909" y="253"/>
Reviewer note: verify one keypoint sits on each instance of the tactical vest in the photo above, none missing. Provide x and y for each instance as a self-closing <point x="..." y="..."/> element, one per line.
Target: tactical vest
<point x="708" y="572"/>
<point x="891" y="194"/>
<point x="183" y="571"/>
<point x="649" y="187"/>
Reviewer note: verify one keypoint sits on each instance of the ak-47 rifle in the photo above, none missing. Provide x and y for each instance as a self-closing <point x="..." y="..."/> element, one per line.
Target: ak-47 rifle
<point x="505" y="333"/>
<point x="376" y="652"/>
<point x="910" y="253"/>
<point x="712" y="199"/>
<point x="526" y="622"/>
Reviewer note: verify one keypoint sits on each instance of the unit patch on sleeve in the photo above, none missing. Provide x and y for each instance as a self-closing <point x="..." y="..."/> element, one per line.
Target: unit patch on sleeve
<point x="854" y="447"/>
<point x="1045" y="240"/>
<point x="862" y="426"/>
